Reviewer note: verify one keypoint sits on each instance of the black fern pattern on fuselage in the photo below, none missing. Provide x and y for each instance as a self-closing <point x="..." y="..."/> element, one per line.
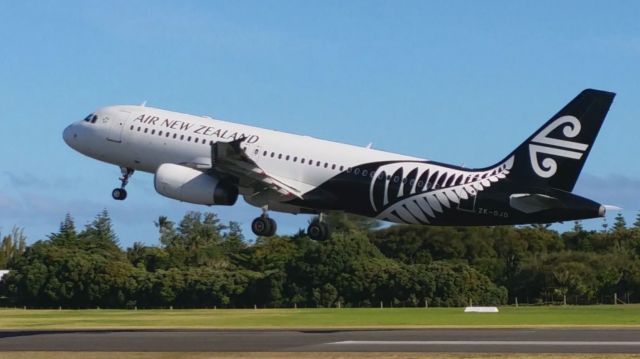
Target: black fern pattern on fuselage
<point x="416" y="192"/>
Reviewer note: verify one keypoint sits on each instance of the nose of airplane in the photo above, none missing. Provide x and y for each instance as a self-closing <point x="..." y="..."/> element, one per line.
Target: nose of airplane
<point x="68" y="134"/>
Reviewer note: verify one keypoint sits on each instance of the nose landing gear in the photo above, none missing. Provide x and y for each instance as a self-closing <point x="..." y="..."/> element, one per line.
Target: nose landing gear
<point x="120" y="194"/>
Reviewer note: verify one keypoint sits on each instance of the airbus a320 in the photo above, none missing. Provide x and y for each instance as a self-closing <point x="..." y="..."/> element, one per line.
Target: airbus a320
<point x="206" y="161"/>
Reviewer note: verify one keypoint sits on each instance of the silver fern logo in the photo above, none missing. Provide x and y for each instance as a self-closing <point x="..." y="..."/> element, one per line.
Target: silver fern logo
<point x="543" y="144"/>
<point x="410" y="192"/>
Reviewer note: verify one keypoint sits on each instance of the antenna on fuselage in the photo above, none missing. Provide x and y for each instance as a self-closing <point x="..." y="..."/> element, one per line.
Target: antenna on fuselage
<point x="369" y="145"/>
<point x="144" y="104"/>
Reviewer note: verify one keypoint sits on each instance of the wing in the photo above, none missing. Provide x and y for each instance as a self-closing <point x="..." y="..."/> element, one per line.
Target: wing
<point x="229" y="158"/>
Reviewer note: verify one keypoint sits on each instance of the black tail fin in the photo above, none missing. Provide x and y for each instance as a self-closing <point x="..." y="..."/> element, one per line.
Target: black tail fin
<point x="554" y="155"/>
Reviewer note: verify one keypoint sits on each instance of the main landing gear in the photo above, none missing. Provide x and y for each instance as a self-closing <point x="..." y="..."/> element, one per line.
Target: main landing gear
<point x="120" y="194"/>
<point x="318" y="230"/>
<point x="263" y="225"/>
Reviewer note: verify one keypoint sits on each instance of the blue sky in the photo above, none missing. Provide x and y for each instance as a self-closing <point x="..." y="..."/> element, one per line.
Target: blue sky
<point x="459" y="82"/>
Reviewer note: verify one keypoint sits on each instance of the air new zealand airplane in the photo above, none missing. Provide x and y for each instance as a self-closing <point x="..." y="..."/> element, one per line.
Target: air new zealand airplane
<point x="207" y="161"/>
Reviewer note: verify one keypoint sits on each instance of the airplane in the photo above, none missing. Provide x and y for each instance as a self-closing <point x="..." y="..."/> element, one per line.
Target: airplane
<point x="201" y="160"/>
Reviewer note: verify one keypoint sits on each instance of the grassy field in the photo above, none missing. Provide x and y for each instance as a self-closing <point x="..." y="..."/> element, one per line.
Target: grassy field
<point x="601" y="315"/>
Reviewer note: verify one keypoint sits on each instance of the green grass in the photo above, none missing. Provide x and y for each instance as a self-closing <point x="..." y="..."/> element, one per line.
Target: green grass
<point x="600" y="315"/>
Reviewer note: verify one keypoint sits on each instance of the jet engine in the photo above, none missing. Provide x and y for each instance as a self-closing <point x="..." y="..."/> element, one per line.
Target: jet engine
<point x="193" y="186"/>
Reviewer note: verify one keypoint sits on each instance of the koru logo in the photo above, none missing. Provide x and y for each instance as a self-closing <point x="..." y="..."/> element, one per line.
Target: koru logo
<point x="541" y="143"/>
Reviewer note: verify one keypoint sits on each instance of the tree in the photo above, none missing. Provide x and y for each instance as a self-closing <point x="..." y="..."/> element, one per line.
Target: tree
<point x="13" y="245"/>
<point x="233" y="240"/>
<point x="577" y="226"/>
<point x="67" y="235"/>
<point x="619" y="223"/>
<point x="99" y="236"/>
<point x="196" y="241"/>
<point x="343" y="222"/>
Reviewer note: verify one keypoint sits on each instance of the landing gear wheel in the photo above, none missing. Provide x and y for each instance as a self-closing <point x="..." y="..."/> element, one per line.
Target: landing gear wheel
<point x="263" y="226"/>
<point x="318" y="231"/>
<point x="274" y="227"/>
<point x="119" y="194"/>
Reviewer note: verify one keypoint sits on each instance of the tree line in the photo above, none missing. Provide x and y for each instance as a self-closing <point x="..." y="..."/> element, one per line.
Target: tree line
<point x="202" y="262"/>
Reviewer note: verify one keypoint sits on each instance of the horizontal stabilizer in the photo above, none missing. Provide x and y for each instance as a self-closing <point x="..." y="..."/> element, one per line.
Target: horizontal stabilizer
<point x="533" y="202"/>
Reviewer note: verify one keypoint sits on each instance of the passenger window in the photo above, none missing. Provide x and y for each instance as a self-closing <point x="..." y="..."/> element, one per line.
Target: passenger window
<point x="210" y="143"/>
<point x="295" y="159"/>
<point x="189" y="139"/>
<point x="153" y="132"/>
<point x="287" y="158"/>
<point x="280" y="156"/>
<point x="341" y="168"/>
<point x="364" y="172"/>
<point x="175" y="135"/>
<point x="333" y="167"/>
<point x="356" y="171"/>
<point x="272" y="154"/>
<point x="302" y="160"/>
<point x="146" y="130"/>
<point x="326" y="165"/>
<point x="264" y="153"/>
<point x="348" y="169"/>
<point x="159" y="133"/>
<point x="318" y="163"/>
<point x="131" y="128"/>
<point x="138" y="128"/>
<point x="167" y="134"/>
<point x="181" y="137"/>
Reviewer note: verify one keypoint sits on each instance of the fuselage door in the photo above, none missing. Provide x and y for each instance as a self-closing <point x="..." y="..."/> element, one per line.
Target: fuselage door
<point x="116" y="125"/>
<point x="468" y="205"/>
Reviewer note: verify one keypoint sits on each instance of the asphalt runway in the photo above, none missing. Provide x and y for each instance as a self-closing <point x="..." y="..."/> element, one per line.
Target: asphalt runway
<point x="414" y="340"/>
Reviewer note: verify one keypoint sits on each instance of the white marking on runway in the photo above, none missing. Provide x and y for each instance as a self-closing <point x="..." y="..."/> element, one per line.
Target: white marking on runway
<point x="485" y="342"/>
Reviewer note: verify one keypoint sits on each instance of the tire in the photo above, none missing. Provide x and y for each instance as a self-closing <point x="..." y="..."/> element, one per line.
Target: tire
<point x="274" y="227"/>
<point x="261" y="226"/>
<point x="119" y="194"/>
<point x="318" y="231"/>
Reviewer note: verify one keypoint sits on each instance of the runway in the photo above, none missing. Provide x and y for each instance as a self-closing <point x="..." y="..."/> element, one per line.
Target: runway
<point x="414" y="340"/>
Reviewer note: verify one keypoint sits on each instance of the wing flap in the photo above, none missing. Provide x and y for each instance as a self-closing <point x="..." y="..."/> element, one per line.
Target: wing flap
<point x="231" y="159"/>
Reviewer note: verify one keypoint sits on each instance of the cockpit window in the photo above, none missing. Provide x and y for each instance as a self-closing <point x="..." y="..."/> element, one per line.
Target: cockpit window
<point x="91" y="118"/>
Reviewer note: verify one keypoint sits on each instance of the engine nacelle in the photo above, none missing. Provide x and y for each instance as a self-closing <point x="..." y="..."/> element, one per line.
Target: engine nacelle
<point x="189" y="185"/>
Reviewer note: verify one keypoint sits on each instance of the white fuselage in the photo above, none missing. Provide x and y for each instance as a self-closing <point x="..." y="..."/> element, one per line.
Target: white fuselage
<point x="143" y="138"/>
